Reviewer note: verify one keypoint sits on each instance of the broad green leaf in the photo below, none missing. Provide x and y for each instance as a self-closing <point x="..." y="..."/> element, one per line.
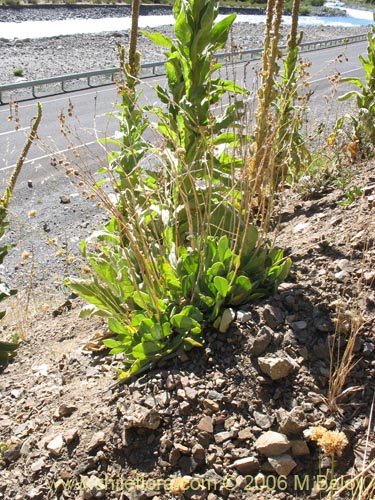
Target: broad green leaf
<point x="221" y="285"/>
<point x="118" y="327"/>
<point x="117" y="350"/>
<point x="111" y="343"/>
<point x="158" y="39"/>
<point x="220" y="32"/>
<point x="143" y="300"/>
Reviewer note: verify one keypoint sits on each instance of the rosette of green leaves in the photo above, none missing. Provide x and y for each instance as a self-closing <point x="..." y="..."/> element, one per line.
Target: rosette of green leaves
<point x="152" y="321"/>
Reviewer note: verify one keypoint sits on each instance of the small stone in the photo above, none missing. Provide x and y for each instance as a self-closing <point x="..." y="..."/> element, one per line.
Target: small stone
<point x="243" y="316"/>
<point x="98" y="439"/>
<point x="227" y="319"/>
<point x="272" y="443"/>
<point x="245" y="434"/>
<point x="56" y="445"/>
<point x="273" y="316"/>
<point x="211" y="405"/>
<point x="206" y="425"/>
<point x="139" y="416"/>
<point x="191" y="393"/>
<point x="262" y="420"/>
<point x="184" y="408"/>
<point x="64" y="199"/>
<point x="35" y="494"/>
<point x="301" y="227"/>
<point x="220" y="437"/>
<point x="299" y="326"/>
<point x="64" y="410"/>
<point x="369" y="276"/>
<point x="185" y="450"/>
<point x="261" y="341"/>
<point x="70" y="435"/>
<point x="276" y="368"/>
<point x="199" y="454"/>
<point x="215" y="395"/>
<point x="342" y="276"/>
<point x="247" y="465"/>
<point x="38" y="465"/>
<point x="282" y="464"/>
<point x="292" y="422"/>
<point x="299" y="448"/>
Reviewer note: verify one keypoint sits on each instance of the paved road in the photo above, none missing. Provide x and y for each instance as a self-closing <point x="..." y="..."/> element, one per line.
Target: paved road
<point x="92" y="106"/>
<point x="70" y="222"/>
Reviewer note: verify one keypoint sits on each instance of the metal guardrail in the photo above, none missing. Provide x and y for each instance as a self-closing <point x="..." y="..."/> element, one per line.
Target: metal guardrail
<point x="151" y="69"/>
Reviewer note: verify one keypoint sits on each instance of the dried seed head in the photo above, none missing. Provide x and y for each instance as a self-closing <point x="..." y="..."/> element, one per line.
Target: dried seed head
<point x="333" y="442"/>
<point x="316" y="433"/>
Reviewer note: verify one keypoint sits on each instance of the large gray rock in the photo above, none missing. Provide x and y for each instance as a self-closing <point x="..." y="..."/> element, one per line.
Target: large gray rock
<point x="272" y="443"/>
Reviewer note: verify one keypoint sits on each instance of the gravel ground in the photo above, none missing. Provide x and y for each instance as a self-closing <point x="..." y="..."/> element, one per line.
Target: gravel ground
<point x="48" y="57"/>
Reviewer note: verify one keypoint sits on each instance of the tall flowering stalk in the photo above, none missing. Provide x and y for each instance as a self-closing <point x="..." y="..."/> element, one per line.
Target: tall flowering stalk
<point x="290" y="145"/>
<point x="262" y="163"/>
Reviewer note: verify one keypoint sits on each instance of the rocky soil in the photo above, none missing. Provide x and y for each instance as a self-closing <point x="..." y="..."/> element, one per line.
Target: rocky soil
<point x="228" y="420"/>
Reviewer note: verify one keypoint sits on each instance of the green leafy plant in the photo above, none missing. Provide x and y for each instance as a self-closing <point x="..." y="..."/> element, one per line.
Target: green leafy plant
<point x="180" y="245"/>
<point x="364" y="123"/>
<point x="18" y="72"/>
<point x="352" y="195"/>
<point x="190" y="294"/>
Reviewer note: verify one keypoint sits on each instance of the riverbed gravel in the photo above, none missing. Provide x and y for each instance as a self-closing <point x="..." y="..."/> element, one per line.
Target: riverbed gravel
<point x="48" y="57"/>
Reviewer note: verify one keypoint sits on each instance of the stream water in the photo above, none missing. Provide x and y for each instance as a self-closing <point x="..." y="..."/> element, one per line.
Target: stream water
<point x="48" y="28"/>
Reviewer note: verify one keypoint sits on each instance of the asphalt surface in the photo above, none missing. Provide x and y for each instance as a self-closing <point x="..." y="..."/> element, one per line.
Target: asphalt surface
<point x="42" y="184"/>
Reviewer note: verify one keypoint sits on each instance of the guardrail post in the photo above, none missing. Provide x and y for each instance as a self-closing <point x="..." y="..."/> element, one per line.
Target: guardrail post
<point x="33" y="91"/>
